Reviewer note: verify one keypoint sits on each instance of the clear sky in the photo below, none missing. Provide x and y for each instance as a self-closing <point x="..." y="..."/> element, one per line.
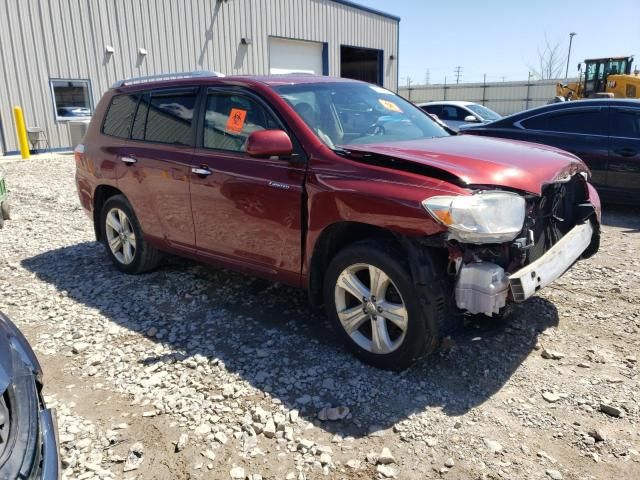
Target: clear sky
<point x="501" y="37"/>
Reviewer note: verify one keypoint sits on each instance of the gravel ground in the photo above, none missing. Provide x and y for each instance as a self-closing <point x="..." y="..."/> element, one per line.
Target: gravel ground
<point x="193" y="372"/>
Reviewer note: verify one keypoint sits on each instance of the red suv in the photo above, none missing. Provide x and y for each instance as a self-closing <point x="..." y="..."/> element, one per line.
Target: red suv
<point x="339" y="187"/>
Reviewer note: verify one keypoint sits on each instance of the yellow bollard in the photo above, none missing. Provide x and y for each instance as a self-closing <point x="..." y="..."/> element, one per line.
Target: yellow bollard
<point x="21" y="131"/>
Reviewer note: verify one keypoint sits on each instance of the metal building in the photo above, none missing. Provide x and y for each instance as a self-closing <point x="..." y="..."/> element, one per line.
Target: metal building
<point x="57" y="57"/>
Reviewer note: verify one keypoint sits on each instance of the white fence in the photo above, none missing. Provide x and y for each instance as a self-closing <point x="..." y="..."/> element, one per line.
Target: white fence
<point x="503" y="97"/>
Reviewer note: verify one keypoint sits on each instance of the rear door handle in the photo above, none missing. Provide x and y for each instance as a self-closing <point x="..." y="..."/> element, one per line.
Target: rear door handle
<point x="201" y="171"/>
<point x="626" y="152"/>
<point x="128" y="160"/>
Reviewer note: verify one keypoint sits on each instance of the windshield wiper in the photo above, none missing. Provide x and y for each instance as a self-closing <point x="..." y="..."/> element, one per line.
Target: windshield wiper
<point x="342" y="151"/>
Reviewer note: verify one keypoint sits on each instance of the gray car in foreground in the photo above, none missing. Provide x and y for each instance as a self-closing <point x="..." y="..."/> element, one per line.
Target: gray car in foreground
<point x="28" y="433"/>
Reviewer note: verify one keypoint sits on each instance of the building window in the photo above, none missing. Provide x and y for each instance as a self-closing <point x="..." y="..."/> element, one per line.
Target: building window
<point x="71" y="99"/>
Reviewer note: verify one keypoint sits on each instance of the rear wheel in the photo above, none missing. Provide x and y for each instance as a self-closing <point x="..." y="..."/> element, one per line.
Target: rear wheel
<point x="374" y="306"/>
<point x="123" y="238"/>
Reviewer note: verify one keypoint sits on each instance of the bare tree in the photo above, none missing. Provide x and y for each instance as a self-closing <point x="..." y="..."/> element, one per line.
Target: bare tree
<point x="550" y="62"/>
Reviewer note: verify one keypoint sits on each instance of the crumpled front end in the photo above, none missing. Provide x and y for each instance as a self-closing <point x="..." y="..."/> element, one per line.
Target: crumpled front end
<point x="28" y="430"/>
<point x="561" y="226"/>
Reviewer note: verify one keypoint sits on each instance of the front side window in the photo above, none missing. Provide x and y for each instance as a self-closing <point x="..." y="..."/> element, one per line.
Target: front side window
<point x="589" y="122"/>
<point x="71" y="99"/>
<point x="117" y="121"/>
<point x="170" y="117"/>
<point x="230" y="119"/>
<point x="484" y="112"/>
<point x="342" y="113"/>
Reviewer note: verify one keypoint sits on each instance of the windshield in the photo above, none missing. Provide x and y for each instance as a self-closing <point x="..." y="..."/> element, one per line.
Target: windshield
<point x="343" y="114"/>
<point x="484" y="112"/>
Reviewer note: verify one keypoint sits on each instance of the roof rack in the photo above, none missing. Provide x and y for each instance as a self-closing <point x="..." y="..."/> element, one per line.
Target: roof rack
<point x="166" y="76"/>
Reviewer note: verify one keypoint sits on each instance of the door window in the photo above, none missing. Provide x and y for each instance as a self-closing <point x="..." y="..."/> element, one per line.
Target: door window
<point x="230" y="119"/>
<point x="450" y="112"/>
<point x="625" y="123"/>
<point x="433" y="109"/>
<point x="170" y="117"/>
<point x="591" y="122"/>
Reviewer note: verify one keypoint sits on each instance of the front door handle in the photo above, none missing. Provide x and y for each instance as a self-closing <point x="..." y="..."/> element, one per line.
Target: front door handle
<point x="201" y="171"/>
<point x="626" y="152"/>
<point x="128" y="160"/>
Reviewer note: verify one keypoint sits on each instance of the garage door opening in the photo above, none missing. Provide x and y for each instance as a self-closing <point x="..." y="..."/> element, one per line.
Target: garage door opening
<point x="361" y="64"/>
<point x="296" y="56"/>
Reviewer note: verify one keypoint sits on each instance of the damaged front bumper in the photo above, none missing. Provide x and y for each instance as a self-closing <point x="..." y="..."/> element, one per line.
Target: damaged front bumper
<point x="540" y="273"/>
<point x="484" y="287"/>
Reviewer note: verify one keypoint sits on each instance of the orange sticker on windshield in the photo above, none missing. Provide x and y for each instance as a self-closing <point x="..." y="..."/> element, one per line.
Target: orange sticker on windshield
<point x="389" y="105"/>
<point x="236" y="120"/>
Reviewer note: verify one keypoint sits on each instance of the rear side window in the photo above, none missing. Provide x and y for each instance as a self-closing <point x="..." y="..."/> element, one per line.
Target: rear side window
<point x="230" y="119"/>
<point x="450" y="112"/>
<point x="139" y="123"/>
<point x="433" y="109"/>
<point x="117" y="122"/>
<point x="625" y="123"/>
<point x="170" y="118"/>
<point x="591" y="122"/>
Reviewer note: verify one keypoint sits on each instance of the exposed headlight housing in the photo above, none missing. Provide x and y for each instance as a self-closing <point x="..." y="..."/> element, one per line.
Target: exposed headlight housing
<point x="486" y="217"/>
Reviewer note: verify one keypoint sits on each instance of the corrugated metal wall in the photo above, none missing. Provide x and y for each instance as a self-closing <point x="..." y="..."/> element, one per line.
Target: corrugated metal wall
<point x="47" y="39"/>
<point x="503" y="97"/>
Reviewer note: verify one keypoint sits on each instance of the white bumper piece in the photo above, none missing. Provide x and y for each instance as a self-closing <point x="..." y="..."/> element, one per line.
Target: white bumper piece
<point x="483" y="287"/>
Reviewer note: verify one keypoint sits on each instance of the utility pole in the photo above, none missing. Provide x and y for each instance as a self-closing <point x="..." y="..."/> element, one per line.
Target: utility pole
<point x="409" y="87"/>
<point x="426" y="77"/>
<point x="571" y="35"/>
<point x="458" y="71"/>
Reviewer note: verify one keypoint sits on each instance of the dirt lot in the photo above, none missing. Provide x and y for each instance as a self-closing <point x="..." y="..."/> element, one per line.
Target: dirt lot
<point x="239" y="369"/>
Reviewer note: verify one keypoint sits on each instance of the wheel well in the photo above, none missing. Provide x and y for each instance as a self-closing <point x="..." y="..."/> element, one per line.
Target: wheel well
<point x="333" y="239"/>
<point x="101" y="195"/>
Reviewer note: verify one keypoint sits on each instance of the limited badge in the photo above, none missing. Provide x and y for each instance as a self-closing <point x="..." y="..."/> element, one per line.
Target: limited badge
<point x="236" y="120"/>
<point x="389" y="105"/>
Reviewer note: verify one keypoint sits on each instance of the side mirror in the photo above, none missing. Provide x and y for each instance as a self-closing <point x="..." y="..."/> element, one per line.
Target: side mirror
<point x="471" y="119"/>
<point x="269" y="143"/>
<point x="579" y="67"/>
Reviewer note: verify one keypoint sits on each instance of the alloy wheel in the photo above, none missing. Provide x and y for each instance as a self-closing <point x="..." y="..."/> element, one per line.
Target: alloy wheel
<point x="371" y="309"/>
<point x="120" y="236"/>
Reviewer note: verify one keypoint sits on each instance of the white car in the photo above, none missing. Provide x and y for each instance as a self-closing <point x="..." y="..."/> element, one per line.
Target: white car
<point x="457" y="113"/>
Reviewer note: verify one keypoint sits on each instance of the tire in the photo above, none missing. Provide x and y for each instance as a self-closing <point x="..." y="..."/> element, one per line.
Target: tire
<point x="5" y="210"/>
<point x="129" y="252"/>
<point x="409" y="336"/>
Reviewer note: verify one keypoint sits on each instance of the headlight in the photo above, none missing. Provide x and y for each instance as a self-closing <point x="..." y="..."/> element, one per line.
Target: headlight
<point x="489" y="217"/>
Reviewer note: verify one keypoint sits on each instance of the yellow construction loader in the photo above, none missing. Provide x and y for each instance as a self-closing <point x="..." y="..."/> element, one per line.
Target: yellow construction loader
<point x="603" y="77"/>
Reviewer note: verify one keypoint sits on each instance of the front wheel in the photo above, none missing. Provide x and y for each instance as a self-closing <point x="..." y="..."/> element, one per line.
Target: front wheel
<point x="374" y="306"/>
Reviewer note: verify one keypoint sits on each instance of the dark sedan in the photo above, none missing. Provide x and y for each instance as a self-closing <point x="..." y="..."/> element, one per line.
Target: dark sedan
<point x="605" y="134"/>
<point x="28" y="437"/>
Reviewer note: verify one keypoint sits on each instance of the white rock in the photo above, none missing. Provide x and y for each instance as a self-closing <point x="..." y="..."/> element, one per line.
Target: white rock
<point x="387" y="471"/>
<point x="492" y="445"/>
<point x="385" y="457"/>
<point x="237" y="473"/>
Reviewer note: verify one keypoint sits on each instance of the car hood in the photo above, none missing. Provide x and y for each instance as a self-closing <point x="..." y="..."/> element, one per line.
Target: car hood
<point x="484" y="161"/>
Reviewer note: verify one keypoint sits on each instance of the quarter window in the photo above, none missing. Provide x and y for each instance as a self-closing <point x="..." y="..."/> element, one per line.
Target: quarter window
<point x="230" y="119"/>
<point x="117" y="122"/>
<point x="625" y="123"/>
<point x="590" y="122"/>
<point x="71" y="98"/>
<point x="170" y="118"/>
